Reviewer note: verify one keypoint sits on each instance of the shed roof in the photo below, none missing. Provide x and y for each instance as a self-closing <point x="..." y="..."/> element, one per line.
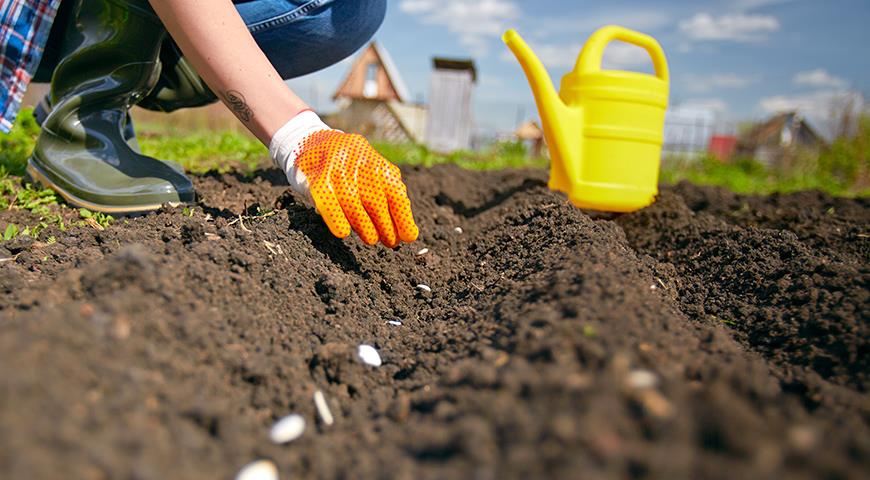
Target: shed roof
<point x="442" y="63"/>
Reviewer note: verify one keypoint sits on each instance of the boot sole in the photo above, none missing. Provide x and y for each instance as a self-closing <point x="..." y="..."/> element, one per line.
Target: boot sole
<point x="36" y="176"/>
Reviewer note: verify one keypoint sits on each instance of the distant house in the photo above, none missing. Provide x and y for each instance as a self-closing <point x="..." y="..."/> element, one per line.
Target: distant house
<point x="451" y="119"/>
<point x="776" y="141"/>
<point x="374" y="101"/>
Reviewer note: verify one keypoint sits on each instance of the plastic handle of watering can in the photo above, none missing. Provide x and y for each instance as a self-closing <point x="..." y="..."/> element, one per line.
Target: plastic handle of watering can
<point x="593" y="52"/>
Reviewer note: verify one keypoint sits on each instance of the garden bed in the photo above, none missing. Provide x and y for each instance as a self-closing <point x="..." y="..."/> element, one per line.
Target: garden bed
<point x="710" y="335"/>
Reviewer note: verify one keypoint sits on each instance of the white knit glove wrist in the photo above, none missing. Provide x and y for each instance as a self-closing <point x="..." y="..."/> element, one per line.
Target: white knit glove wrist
<point x="286" y="145"/>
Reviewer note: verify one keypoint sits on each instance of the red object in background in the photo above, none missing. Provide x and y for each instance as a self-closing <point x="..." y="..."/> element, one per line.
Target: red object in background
<point x="722" y="147"/>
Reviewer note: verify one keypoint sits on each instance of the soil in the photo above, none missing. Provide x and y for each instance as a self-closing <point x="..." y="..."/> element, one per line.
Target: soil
<point x="711" y="335"/>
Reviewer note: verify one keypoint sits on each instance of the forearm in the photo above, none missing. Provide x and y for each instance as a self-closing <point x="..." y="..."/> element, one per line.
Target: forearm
<point x="226" y="56"/>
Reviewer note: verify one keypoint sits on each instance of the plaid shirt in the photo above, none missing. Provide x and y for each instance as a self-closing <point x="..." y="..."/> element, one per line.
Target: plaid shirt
<point x="24" y="27"/>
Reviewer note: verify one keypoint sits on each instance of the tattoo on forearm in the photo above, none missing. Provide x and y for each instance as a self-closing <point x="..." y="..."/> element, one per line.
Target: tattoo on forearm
<point x="236" y="101"/>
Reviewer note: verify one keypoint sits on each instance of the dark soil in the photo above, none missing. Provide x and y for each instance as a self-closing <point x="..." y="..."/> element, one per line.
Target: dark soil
<point x="709" y="336"/>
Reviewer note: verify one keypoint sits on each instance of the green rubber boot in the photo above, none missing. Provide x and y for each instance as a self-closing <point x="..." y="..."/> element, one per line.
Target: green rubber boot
<point x="179" y="86"/>
<point x="43" y="108"/>
<point x="109" y="62"/>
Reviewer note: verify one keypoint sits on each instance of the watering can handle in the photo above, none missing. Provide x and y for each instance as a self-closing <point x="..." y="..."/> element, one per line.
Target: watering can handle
<point x="593" y="52"/>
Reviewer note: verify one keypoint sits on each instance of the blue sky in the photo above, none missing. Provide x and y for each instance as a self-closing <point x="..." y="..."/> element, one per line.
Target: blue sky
<point x="745" y="59"/>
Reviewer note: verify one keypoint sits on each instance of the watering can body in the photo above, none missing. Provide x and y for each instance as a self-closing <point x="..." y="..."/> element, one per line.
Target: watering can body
<point x="604" y="128"/>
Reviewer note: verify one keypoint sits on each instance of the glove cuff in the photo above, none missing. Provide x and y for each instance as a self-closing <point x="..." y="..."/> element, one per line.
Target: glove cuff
<point x="286" y="145"/>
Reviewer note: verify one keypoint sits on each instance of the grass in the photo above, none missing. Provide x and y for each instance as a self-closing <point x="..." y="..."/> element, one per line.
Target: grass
<point x="17" y="194"/>
<point x="200" y="152"/>
<point x="844" y="169"/>
<point x="745" y="175"/>
<point x="498" y="157"/>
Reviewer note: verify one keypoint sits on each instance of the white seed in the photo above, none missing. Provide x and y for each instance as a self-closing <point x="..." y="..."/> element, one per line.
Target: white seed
<point x="458" y="229"/>
<point x="395" y="323"/>
<point x="642" y="379"/>
<point x="369" y="355"/>
<point x="287" y="429"/>
<point x="653" y="287"/>
<point x="423" y="251"/>
<point x="259" y="470"/>
<point x="424" y="287"/>
<point x="323" y="408"/>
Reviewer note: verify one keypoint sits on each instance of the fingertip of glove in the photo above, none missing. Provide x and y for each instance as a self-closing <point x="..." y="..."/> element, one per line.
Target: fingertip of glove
<point x="340" y="231"/>
<point x="411" y="234"/>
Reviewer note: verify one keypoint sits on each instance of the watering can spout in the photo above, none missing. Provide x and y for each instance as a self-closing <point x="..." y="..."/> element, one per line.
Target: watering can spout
<point x="545" y="93"/>
<point x="555" y="115"/>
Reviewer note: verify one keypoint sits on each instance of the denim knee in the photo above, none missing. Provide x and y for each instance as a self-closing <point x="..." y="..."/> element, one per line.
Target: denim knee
<point x="306" y="36"/>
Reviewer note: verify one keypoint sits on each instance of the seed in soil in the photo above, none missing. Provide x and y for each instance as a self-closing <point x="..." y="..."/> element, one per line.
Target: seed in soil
<point x="423" y="251"/>
<point x="258" y="470"/>
<point x="458" y="229"/>
<point x="369" y="355"/>
<point x="424" y="287"/>
<point x="287" y="429"/>
<point x="642" y="379"/>
<point x="395" y="323"/>
<point x="323" y="408"/>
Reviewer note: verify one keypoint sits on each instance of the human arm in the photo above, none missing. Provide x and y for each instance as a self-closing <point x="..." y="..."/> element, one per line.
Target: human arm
<point x="226" y="56"/>
<point x="350" y="184"/>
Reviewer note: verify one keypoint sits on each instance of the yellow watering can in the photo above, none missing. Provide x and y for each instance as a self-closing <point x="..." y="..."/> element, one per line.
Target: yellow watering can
<point x="605" y="127"/>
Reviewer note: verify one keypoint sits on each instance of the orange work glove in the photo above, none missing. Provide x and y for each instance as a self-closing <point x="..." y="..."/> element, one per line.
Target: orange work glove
<point x="351" y="185"/>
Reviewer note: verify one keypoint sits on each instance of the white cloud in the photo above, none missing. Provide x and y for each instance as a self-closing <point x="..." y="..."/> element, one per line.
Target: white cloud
<point x="476" y="22"/>
<point x="735" y="27"/>
<point x="819" y="78"/>
<point x="707" y="83"/>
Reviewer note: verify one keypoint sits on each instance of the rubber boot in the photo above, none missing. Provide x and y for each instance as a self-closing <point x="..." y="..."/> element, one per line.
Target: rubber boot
<point x="179" y="86"/>
<point x="43" y="108"/>
<point x="109" y="62"/>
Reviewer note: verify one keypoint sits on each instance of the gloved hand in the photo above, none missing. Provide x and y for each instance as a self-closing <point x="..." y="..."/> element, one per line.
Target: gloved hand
<point x="350" y="184"/>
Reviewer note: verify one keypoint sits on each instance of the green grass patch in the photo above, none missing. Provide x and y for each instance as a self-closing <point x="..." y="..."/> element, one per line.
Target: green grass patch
<point x="42" y="203"/>
<point x="98" y="219"/>
<point x="746" y="175"/>
<point x="15" y="146"/>
<point x="497" y="157"/>
<point x="203" y="151"/>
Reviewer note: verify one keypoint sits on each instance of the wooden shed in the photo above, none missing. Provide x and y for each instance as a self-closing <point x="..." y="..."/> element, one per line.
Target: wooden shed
<point x="451" y="118"/>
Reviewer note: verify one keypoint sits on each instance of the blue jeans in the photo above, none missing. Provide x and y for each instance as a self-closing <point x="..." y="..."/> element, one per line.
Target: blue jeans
<point x="304" y="36"/>
<point x="298" y="36"/>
